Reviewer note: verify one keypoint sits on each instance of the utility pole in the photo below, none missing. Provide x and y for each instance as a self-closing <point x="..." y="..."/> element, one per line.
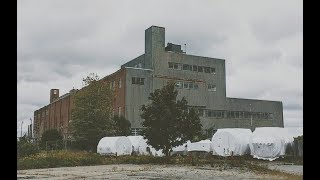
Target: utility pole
<point x="21" y="128"/>
<point x="31" y="128"/>
<point x="250" y="117"/>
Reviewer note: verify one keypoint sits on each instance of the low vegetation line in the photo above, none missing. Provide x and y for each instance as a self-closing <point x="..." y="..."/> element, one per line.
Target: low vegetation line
<point x="62" y="158"/>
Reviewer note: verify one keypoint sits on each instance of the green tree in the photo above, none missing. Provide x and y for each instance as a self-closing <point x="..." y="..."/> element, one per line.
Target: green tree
<point x="122" y="126"/>
<point x="91" y="114"/>
<point x="167" y="121"/>
<point x="51" y="139"/>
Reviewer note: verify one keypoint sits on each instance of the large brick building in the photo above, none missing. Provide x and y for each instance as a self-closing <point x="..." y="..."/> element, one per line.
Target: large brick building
<point x="202" y="80"/>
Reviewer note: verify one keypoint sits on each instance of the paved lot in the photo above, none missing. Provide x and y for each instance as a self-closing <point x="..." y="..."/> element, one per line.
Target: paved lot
<point x="129" y="171"/>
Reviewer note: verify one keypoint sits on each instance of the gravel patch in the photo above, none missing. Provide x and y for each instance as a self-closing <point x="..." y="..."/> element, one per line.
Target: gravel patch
<point x="133" y="171"/>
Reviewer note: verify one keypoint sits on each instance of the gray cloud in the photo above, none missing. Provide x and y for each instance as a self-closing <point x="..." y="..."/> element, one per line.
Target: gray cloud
<point x="59" y="42"/>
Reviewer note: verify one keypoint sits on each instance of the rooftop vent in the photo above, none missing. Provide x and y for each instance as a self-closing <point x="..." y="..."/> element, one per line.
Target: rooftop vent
<point x="174" y="48"/>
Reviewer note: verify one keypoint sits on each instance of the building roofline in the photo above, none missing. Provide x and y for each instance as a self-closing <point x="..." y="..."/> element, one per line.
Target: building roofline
<point x="195" y="55"/>
<point x="252" y="99"/>
<point x="125" y="67"/>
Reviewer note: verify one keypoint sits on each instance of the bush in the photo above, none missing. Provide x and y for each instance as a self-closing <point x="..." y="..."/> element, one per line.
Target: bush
<point x="51" y="139"/>
<point x="52" y="159"/>
<point x="26" y="147"/>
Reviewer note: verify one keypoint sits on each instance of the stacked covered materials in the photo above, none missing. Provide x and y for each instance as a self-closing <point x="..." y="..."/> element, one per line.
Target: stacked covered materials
<point x="182" y="149"/>
<point x="140" y="146"/>
<point x="203" y="145"/>
<point x="231" y="142"/>
<point x="117" y="145"/>
<point x="269" y="143"/>
<point x="135" y="141"/>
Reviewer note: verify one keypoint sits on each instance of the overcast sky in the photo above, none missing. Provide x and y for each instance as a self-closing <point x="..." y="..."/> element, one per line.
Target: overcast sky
<point x="59" y="42"/>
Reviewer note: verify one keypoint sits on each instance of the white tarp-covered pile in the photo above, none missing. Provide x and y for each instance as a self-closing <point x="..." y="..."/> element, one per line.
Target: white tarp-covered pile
<point x="269" y="143"/>
<point x="145" y="149"/>
<point x="182" y="149"/>
<point x="203" y="145"/>
<point x="141" y="147"/>
<point x="231" y="141"/>
<point x="135" y="141"/>
<point x="118" y="145"/>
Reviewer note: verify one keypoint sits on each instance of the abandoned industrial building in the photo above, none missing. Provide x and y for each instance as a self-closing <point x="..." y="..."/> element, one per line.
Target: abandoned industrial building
<point x="201" y="80"/>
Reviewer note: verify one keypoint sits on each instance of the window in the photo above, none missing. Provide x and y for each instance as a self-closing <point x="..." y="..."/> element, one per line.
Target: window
<point x="213" y="70"/>
<point x="185" y="67"/>
<point x="201" y="112"/>
<point x="139" y="65"/>
<point x="185" y="85"/>
<point x="136" y="80"/>
<point x="207" y="69"/>
<point x="236" y="114"/>
<point x="200" y="69"/>
<point x="119" y="83"/>
<point x="195" y="86"/>
<point x="54" y="91"/>
<point x="212" y="87"/>
<point x="191" y="85"/>
<point x="195" y="68"/>
<point x="178" y="84"/>
<point x="174" y="65"/>
<point x="141" y="81"/>
<point x="271" y="115"/>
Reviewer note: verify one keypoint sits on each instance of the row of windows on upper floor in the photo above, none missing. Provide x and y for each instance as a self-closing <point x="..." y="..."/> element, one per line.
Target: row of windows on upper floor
<point x="135" y="80"/>
<point x="193" y="68"/>
<point x="235" y="114"/>
<point x="192" y="85"/>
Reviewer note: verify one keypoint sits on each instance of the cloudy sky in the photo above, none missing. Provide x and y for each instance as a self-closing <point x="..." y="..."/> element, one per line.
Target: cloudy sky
<point x="59" y="42"/>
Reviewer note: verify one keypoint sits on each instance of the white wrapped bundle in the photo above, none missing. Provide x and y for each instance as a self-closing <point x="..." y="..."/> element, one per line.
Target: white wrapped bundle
<point x="231" y="141"/>
<point x="118" y="145"/>
<point x="203" y="145"/>
<point x="269" y="143"/>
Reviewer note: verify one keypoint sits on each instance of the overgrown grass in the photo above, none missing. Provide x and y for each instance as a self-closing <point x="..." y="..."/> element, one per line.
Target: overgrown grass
<point x="62" y="158"/>
<point x="50" y="159"/>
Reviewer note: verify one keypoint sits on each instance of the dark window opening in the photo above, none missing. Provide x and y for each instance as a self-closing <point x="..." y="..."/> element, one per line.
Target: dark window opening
<point x="195" y="68"/>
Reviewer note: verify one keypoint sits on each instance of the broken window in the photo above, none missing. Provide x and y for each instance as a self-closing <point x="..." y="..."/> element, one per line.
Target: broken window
<point x="170" y="65"/>
<point x="207" y="69"/>
<point x="178" y="84"/>
<point x="212" y="70"/>
<point x="185" y="67"/>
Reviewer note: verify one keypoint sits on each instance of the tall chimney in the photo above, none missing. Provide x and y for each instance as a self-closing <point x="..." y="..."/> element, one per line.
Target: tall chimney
<point x="154" y="43"/>
<point x="54" y="94"/>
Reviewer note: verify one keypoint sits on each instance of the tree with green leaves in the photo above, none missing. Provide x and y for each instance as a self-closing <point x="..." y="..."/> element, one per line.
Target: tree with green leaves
<point x="91" y="117"/>
<point x="51" y="139"/>
<point x="167" y="121"/>
<point x="122" y="126"/>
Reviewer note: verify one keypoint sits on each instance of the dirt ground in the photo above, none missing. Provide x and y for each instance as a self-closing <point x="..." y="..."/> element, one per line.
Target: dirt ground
<point x="131" y="171"/>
